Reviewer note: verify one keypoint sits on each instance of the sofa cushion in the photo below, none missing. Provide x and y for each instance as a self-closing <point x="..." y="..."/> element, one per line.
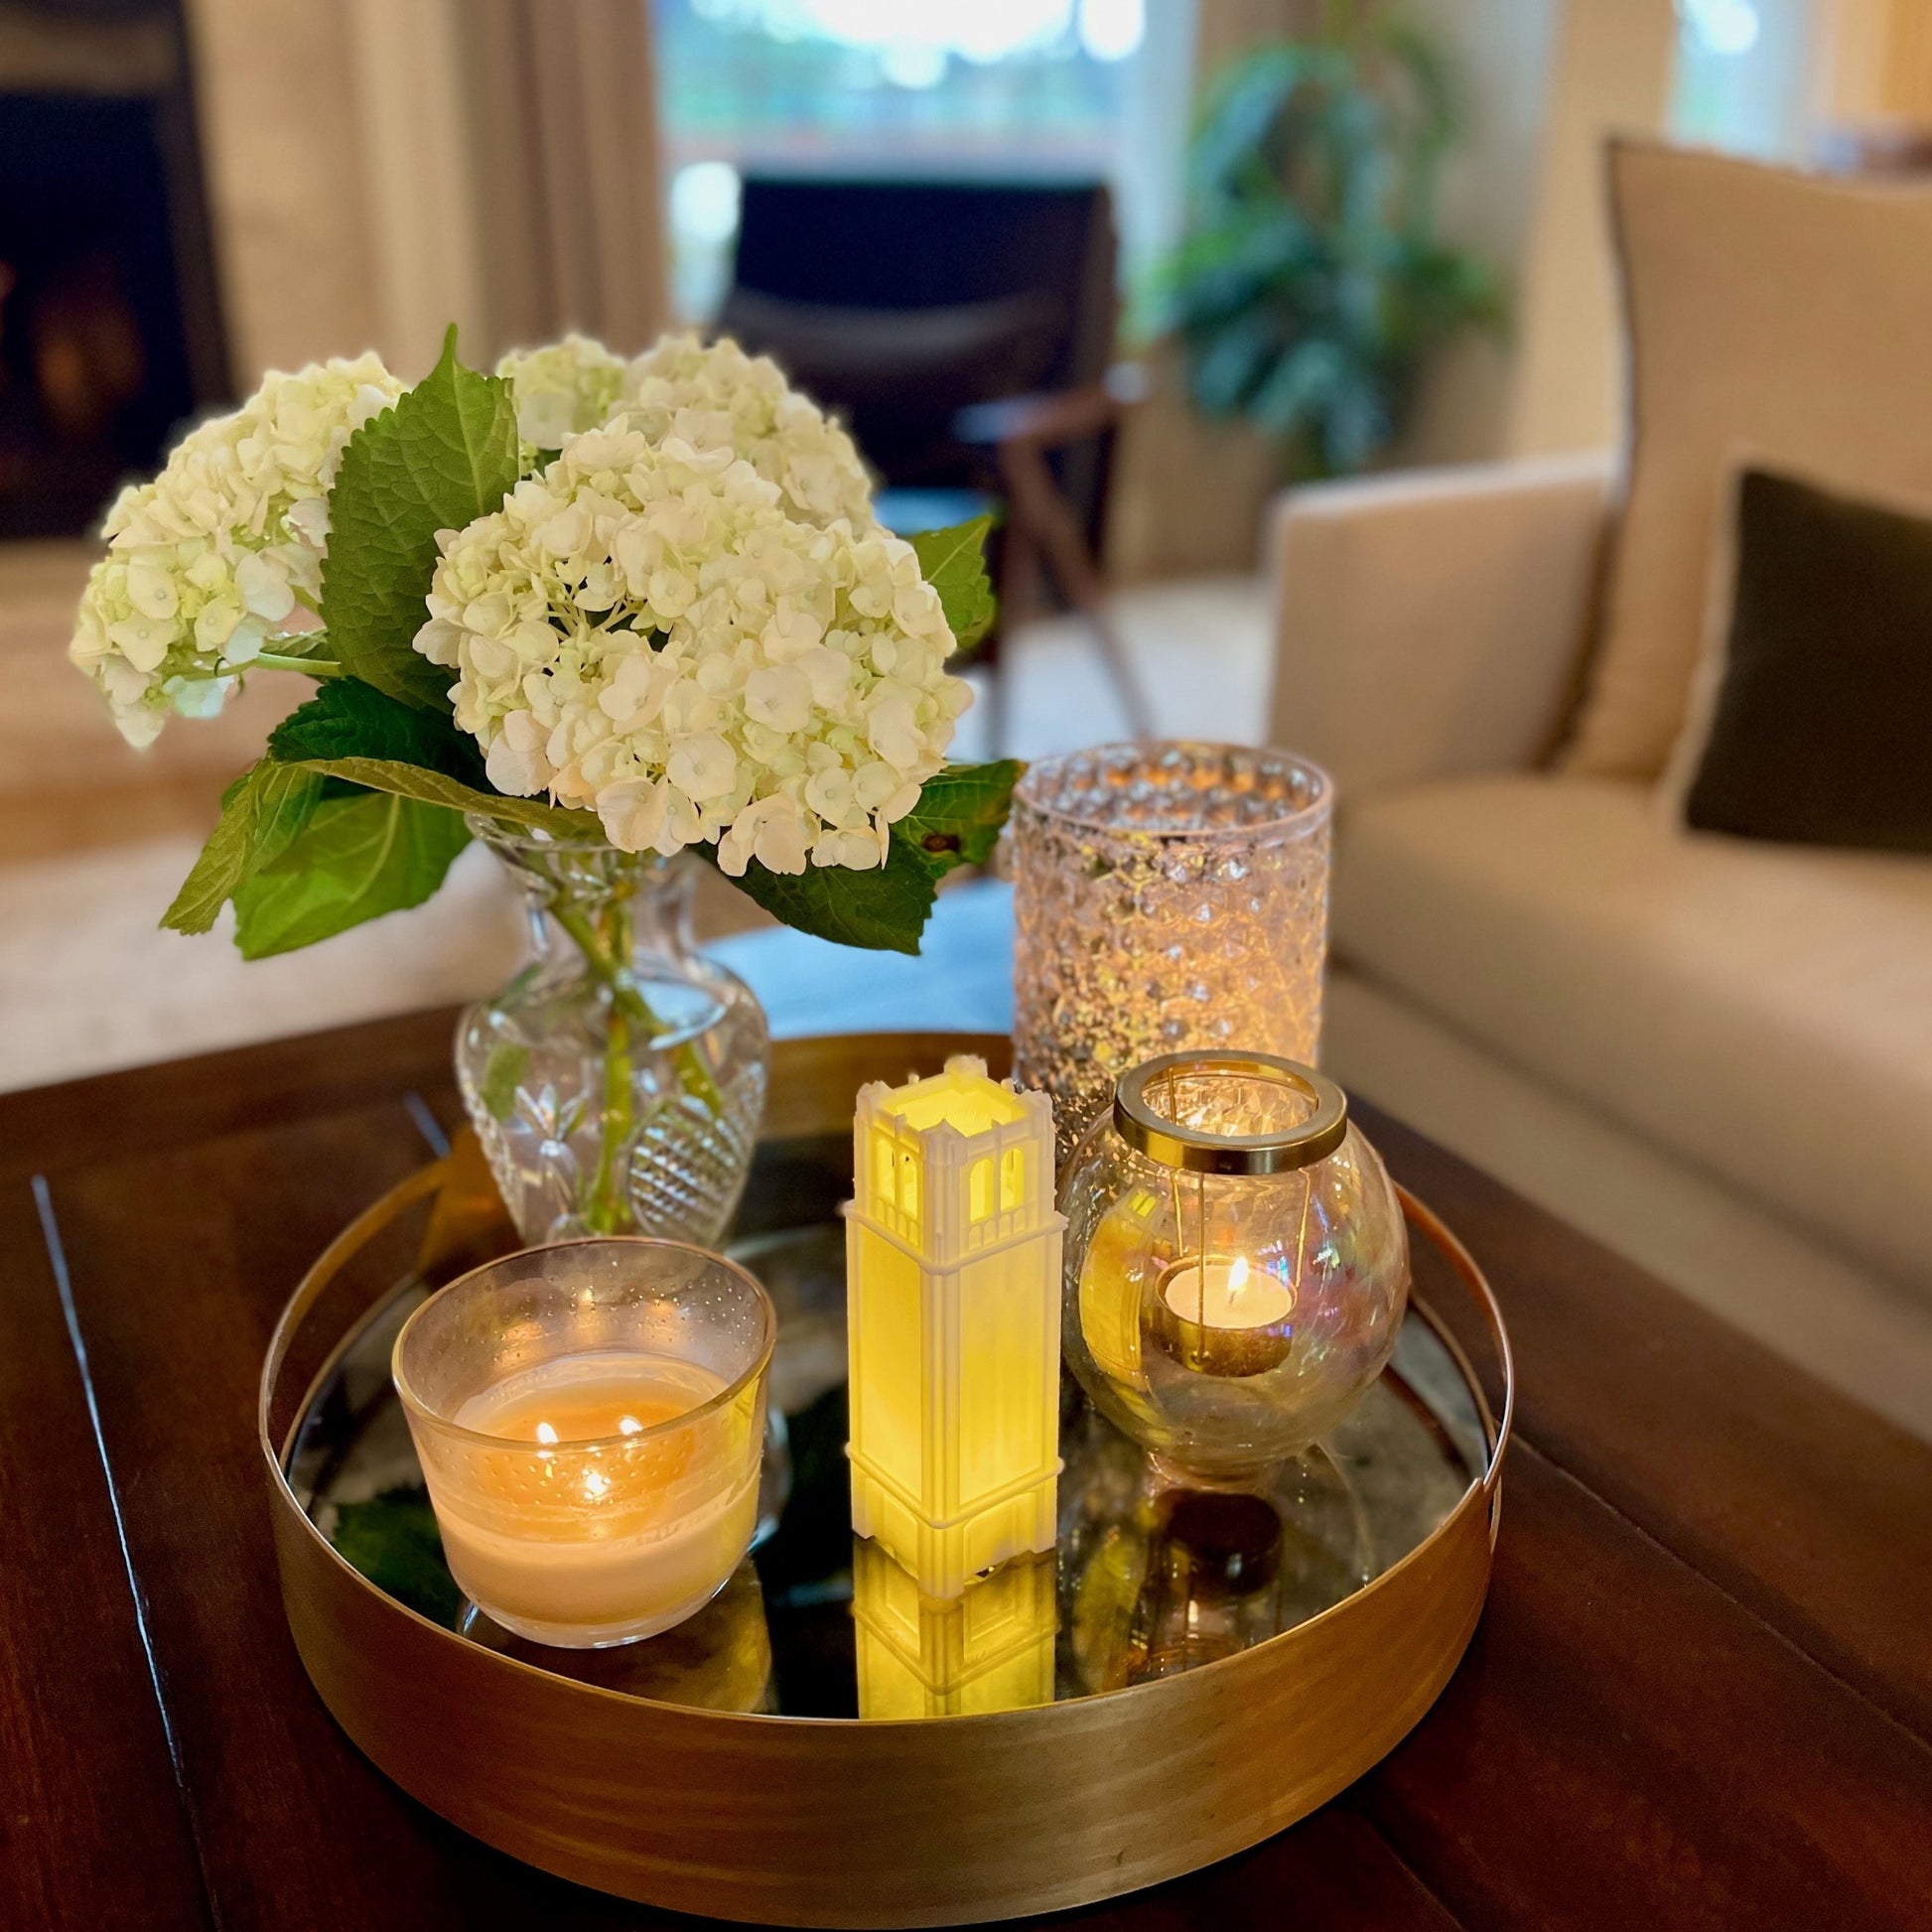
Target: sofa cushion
<point x="1764" y="1012"/>
<point x="1781" y="311"/>
<point x="1808" y="720"/>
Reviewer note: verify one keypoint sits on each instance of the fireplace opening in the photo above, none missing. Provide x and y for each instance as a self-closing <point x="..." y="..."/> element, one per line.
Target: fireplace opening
<point x="109" y="331"/>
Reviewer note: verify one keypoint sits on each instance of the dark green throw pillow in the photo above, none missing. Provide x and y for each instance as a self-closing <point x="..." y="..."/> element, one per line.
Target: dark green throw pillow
<point x="1822" y="731"/>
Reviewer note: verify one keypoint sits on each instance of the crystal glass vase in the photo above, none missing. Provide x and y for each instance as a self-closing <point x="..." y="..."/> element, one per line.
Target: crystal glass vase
<point x="1166" y="895"/>
<point x="618" y="1082"/>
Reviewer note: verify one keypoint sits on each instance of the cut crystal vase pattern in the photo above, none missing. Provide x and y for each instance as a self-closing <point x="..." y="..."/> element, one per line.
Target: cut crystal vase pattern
<point x="618" y="1082"/>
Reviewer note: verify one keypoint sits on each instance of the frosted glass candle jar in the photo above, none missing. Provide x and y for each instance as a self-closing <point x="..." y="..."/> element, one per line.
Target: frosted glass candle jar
<point x="1166" y="896"/>
<point x="1236" y="1261"/>
<point x="590" y="1419"/>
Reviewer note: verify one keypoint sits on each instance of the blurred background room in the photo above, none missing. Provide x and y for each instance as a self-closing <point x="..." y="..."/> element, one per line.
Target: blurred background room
<point x="1197" y="298"/>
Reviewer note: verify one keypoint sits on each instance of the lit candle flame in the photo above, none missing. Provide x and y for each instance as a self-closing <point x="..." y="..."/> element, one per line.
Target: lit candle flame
<point x="545" y="1434"/>
<point x="628" y="1425"/>
<point x="1237" y="1279"/>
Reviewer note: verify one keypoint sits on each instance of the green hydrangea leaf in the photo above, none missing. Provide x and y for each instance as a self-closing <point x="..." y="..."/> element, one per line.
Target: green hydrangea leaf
<point x="427" y="788"/>
<point x="351" y="731"/>
<point x="883" y="911"/>
<point x="349" y="719"/>
<point x="444" y="454"/>
<point x="956" y="822"/>
<point x="504" y="1073"/>
<point x="393" y="1541"/>
<point x="960" y="813"/>
<point x="953" y="562"/>
<point x="360" y="856"/>
<point x="261" y="812"/>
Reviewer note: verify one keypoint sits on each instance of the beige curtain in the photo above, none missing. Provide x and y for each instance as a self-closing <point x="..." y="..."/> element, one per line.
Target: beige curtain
<point x="382" y="168"/>
<point x="562" y="133"/>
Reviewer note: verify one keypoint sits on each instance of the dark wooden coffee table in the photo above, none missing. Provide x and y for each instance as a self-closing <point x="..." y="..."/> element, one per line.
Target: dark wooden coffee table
<point x="1700" y="1694"/>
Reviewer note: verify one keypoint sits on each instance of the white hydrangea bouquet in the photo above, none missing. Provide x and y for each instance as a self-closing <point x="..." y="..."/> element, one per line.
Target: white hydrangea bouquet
<point x="585" y="605"/>
<point x="645" y="602"/>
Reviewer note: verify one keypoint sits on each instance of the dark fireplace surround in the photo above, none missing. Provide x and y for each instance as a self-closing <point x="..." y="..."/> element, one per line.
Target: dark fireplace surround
<point x="110" y="334"/>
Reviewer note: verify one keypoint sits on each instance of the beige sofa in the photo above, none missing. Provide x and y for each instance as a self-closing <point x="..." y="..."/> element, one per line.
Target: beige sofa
<point x="1714" y="1055"/>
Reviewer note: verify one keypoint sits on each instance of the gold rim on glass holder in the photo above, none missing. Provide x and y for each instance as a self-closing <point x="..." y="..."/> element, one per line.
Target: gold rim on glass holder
<point x="1200" y="1151"/>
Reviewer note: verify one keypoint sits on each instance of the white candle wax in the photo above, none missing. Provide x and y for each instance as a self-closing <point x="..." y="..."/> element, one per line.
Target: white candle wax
<point x="592" y="1531"/>
<point x="1227" y="1295"/>
<point x="1225" y="1318"/>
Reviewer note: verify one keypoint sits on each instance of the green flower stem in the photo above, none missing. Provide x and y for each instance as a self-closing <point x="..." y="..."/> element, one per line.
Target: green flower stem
<point x="269" y="660"/>
<point x="606" y="954"/>
<point x="609" y="1210"/>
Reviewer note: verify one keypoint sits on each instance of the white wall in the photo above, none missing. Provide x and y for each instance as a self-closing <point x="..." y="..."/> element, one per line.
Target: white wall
<point x="1548" y="82"/>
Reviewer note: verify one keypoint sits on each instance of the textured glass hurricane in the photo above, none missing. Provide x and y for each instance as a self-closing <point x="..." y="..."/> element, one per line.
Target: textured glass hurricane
<point x="1166" y="896"/>
<point x="618" y="1082"/>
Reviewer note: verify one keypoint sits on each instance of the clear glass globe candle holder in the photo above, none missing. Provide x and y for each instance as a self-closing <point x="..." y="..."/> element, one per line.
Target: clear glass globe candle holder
<point x="1166" y="895"/>
<point x="1237" y="1264"/>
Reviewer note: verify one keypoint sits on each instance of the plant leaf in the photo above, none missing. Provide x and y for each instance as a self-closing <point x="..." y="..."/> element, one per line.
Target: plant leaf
<point x="504" y="1073"/>
<point x="437" y="788"/>
<point x="885" y="910"/>
<point x="261" y="812"/>
<point x="953" y="562"/>
<point x="357" y="858"/>
<point x="349" y="719"/>
<point x="350" y="730"/>
<point x="393" y="1541"/>
<point x="960" y="812"/>
<point x="956" y="822"/>
<point x="444" y="454"/>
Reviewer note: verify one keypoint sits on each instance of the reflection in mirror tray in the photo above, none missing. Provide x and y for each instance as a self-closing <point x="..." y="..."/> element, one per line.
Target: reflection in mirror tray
<point x="1150" y="1579"/>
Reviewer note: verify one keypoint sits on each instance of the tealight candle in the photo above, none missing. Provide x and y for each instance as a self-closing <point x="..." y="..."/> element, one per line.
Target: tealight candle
<point x="590" y="1419"/>
<point x="1220" y="1317"/>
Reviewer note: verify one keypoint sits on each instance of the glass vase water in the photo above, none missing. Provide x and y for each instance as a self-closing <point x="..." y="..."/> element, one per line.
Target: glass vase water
<point x="618" y="1082"/>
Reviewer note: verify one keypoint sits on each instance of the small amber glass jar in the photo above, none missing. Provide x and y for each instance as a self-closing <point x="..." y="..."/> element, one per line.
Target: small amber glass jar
<point x="1236" y="1261"/>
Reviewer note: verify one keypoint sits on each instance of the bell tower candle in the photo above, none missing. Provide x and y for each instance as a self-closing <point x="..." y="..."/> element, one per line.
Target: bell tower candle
<point x="953" y="1294"/>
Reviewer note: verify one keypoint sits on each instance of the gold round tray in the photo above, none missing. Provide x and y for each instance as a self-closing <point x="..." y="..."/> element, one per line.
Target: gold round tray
<point x="670" y="1773"/>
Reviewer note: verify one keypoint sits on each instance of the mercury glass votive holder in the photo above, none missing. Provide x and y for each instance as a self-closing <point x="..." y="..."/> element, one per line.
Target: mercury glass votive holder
<point x="1166" y="895"/>
<point x="590" y="1419"/>
<point x="1237" y="1264"/>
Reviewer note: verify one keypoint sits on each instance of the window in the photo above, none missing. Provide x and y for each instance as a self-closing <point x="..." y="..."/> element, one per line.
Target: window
<point x="1012" y="1179"/>
<point x="1041" y="89"/>
<point x="979" y="1190"/>
<point x="1739" y="81"/>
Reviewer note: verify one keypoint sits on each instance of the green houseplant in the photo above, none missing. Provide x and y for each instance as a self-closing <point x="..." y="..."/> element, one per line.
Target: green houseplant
<point x="1310" y="286"/>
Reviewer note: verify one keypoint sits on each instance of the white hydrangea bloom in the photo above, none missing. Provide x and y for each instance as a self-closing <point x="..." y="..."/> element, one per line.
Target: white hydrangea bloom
<point x="561" y="390"/>
<point x="210" y="561"/>
<point x="643" y="630"/>
<point x="714" y="396"/>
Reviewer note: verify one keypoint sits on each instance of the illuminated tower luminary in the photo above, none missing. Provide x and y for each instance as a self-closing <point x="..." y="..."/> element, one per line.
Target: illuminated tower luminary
<point x="953" y="1323"/>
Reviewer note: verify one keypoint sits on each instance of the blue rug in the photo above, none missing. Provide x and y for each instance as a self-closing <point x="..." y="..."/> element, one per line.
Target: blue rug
<point x="961" y="982"/>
